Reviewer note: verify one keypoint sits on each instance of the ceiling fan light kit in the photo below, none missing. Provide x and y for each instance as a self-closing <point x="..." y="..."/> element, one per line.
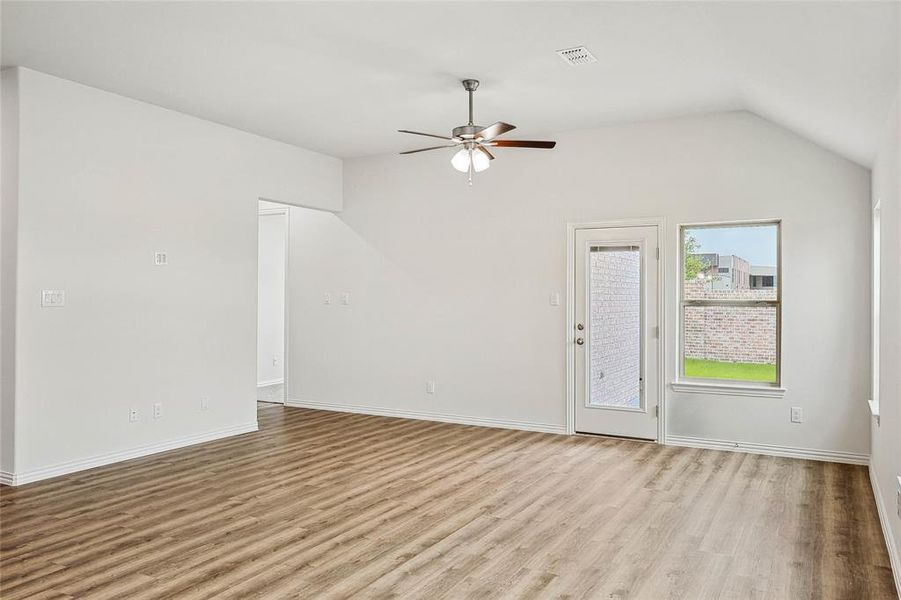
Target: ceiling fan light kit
<point x="472" y="141"/>
<point x="466" y="157"/>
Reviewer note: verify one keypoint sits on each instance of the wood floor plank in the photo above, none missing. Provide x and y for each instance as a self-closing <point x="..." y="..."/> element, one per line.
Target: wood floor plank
<point x="333" y="505"/>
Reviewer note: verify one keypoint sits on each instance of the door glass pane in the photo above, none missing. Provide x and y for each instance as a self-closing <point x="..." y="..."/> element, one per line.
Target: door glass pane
<point x="614" y="327"/>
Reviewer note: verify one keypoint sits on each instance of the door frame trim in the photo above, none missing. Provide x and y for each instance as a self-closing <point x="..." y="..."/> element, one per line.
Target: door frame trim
<point x="571" y="228"/>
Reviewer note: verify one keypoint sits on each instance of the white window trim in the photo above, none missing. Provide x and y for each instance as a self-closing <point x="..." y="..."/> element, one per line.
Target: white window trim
<point x="874" y="409"/>
<point x="696" y="386"/>
<point x="714" y="386"/>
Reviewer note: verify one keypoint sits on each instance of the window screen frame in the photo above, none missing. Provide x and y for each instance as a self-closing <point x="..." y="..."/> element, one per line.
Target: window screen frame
<point x="777" y="304"/>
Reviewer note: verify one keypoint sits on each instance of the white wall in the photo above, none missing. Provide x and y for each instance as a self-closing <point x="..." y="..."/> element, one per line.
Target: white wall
<point x="451" y="282"/>
<point x="271" y="298"/>
<point x="885" y="467"/>
<point x="9" y="155"/>
<point x="885" y="464"/>
<point x="104" y="182"/>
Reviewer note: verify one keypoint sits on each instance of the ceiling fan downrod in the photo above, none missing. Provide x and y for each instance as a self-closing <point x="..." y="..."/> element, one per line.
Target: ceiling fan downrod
<point x="470" y="85"/>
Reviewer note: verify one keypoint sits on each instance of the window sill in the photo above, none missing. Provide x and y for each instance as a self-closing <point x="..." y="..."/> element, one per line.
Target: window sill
<point x="874" y="409"/>
<point x="728" y="389"/>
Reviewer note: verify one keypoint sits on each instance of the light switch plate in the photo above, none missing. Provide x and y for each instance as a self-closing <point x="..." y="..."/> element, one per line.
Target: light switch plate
<point x="160" y="259"/>
<point x="345" y="298"/>
<point x="554" y="299"/>
<point x="53" y="298"/>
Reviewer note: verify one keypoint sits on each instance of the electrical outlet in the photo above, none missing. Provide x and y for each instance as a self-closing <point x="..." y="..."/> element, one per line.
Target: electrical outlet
<point x="133" y="415"/>
<point x="797" y="414"/>
<point x="430" y="387"/>
<point x="157" y="410"/>
<point x="52" y="298"/>
<point x="204" y="403"/>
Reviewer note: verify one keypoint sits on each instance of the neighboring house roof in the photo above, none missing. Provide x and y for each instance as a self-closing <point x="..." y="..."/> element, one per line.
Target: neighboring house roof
<point x="711" y="259"/>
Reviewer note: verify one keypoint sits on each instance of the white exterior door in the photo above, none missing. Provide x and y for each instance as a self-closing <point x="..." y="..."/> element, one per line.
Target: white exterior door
<point x="615" y="332"/>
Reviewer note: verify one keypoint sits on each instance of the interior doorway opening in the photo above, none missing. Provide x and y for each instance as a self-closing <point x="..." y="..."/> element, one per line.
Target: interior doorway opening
<point x="272" y="279"/>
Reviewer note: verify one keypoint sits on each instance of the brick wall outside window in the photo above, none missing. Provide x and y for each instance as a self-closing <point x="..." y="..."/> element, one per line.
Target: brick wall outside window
<point x="739" y="334"/>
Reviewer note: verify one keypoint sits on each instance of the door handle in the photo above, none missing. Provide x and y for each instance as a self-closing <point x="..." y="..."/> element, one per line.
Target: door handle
<point x="580" y="341"/>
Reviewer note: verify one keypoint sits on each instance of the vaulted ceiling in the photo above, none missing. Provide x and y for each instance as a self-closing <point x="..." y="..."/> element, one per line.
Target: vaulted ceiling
<point x="341" y="77"/>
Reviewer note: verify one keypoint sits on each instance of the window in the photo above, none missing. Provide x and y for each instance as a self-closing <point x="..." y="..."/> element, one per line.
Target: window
<point x="877" y="286"/>
<point x="730" y="328"/>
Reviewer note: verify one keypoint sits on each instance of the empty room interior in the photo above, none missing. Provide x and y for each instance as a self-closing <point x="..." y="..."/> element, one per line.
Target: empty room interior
<point x="450" y="300"/>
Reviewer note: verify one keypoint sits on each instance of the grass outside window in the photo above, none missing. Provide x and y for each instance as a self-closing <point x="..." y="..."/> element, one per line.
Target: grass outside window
<point x="713" y="369"/>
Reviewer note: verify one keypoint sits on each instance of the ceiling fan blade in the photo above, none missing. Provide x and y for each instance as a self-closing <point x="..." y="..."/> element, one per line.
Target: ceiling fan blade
<point x="440" y="137"/>
<point x="520" y="144"/>
<point x="430" y="148"/>
<point x="492" y="131"/>
<point x="488" y="154"/>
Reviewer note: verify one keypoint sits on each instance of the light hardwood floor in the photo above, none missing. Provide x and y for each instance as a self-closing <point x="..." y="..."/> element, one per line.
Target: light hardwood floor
<point x="331" y="505"/>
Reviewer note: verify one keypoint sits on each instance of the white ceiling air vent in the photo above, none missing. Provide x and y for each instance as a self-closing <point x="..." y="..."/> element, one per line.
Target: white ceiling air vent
<point x="577" y="56"/>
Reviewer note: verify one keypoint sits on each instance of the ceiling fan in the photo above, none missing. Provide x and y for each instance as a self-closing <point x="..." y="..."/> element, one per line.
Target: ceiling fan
<point x="474" y="140"/>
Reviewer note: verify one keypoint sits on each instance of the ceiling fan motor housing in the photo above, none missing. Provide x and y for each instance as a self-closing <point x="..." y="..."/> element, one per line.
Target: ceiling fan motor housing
<point x="466" y="132"/>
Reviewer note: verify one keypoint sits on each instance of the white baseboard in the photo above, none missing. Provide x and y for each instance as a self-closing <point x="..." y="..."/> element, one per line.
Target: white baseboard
<point x="114" y="457"/>
<point x="270" y="382"/>
<point x="887" y="531"/>
<point x="428" y="416"/>
<point x="770" y="450"/>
